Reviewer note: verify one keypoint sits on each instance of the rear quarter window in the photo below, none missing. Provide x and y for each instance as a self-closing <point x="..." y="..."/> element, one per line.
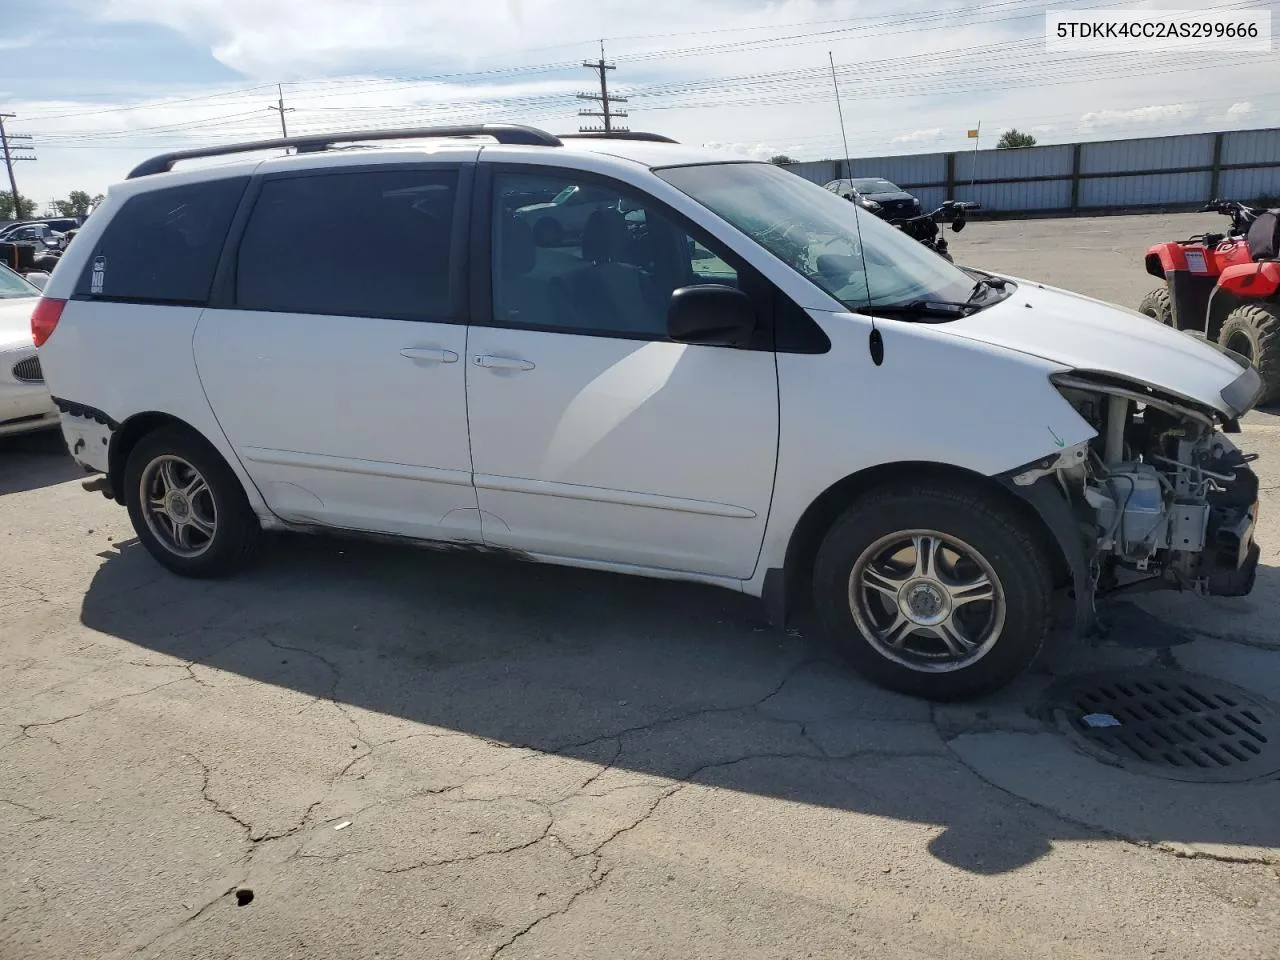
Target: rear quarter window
<point x="162" y="246"/>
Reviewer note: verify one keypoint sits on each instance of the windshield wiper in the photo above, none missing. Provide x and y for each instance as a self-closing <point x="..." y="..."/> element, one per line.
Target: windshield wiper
<point x="922" y="308"/>
<point x="985" y="283"/>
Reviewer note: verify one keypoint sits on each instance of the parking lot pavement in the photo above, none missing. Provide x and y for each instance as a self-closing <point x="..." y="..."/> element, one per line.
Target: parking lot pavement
<point x="393" y="753"/>
<point x="1098" y="256"/>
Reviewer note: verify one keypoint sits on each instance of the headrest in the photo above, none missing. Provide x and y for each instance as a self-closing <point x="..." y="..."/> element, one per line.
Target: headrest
<point x="519" y="252"/>
<point x="1264" y="236"/>
<point x="605" y="236"/>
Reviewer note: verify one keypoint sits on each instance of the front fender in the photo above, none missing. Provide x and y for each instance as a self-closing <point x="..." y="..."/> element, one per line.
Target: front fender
<point x="1252" y="281"/>
<point x="936" y="398"/>
<point x="1165" y="258"/>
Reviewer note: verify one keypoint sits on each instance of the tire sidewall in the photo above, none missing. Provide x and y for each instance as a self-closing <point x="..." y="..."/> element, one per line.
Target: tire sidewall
<point x="1159" y="302"/>
<point x="1235" y="325"/>
<point x="1018" y="563"/>
<point x="1260" y="323"/>
<point x="236" y="522"/>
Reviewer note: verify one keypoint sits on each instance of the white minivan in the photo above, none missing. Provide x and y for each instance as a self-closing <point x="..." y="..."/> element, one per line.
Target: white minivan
<point x="730" y="376"/>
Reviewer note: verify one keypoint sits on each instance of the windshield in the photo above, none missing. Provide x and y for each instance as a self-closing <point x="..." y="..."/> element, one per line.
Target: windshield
<point x="875" y="185"/>
<point x="13" y="286"/>
<point x="855" y="257"/>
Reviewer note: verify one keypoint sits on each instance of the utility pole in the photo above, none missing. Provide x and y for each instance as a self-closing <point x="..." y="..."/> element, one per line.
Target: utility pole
<point x="976" y="132"/>
<point x="8" y="147"/>
<point x="281" y="109"/>
<point x="606" y="111"/>
<point x="840" y="110"/>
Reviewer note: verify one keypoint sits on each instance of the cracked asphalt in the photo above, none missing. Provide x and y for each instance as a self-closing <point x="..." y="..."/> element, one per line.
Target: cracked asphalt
<point x="409" y="754"/>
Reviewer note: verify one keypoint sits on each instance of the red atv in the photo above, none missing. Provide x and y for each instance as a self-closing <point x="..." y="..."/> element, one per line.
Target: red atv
<point x="1225" y="287"/>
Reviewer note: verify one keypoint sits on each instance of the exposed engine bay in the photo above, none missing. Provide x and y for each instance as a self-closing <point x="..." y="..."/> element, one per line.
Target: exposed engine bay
<point x="1161" y="493"/>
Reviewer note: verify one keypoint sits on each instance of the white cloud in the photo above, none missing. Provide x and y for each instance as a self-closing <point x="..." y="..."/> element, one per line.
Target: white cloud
<point x="275" y="38"/>
<point x="931" y="135"/>
<point x="1241" y="111"/>
<point x="22" y="41"/>
<point x="753" y="99"/>
<point x="756" y="151"/>
<point x="1138" y="116"/>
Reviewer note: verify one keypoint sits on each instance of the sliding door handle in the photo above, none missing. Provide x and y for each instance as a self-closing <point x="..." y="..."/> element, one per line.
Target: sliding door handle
<point x="503" y="363"/>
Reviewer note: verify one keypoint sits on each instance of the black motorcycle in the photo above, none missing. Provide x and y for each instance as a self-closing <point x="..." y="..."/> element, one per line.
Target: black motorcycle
<point x="929" y="228"/>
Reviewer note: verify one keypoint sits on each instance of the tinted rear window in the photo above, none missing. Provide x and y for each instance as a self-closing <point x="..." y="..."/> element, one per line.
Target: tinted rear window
<point x="369" y="243"/>
<point x="163" y="246"/>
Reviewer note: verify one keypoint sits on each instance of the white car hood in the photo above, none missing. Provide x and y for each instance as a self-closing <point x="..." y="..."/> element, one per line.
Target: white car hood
<point x="1090" y="335"/>
<point x="15" y="322"/>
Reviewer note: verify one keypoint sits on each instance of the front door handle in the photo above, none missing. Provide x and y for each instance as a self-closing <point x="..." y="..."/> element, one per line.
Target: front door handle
<point x="424" y="353"/>
<point x="503" y="363"/>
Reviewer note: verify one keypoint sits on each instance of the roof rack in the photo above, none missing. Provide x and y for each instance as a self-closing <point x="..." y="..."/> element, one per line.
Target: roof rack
<point x="618" y="135"/>
<point x="502" y="132"/>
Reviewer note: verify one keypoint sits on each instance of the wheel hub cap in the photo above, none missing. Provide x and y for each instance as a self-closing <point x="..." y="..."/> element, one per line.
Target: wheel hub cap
<point x="178" y="507"/>
<point x="924" y="602"/>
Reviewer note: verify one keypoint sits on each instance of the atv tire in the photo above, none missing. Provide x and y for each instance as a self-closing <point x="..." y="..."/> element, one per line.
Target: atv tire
<point x="1253" y="330"/>
<point x="1158" y="306"/>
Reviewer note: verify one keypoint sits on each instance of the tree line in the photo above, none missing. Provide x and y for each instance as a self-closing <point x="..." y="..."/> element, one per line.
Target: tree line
<point x="77" y="204"/>
<point x="1009" y="140"/>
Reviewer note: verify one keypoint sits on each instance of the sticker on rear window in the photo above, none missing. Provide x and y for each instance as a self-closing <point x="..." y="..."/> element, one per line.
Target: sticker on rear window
<point x="99" y="273"/>
<point x="1195" y="261"/>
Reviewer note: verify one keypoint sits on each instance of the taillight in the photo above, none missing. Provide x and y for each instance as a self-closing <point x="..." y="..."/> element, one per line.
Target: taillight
<point x="44" y="318"/>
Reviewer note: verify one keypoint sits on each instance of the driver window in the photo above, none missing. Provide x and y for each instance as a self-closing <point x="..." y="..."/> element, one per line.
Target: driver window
<point x="604" y="264"/>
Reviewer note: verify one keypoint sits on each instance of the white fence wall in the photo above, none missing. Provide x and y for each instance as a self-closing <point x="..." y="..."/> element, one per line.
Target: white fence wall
<point x="1079" y="177"/>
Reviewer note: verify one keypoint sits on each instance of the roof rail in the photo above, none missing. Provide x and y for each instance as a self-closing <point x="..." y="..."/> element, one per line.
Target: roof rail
<point x="502" y="132"/>
<point x="618" y="135"/>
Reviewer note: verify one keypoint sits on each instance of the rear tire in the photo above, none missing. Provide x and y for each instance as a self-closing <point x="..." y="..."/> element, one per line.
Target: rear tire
<point x="1158" y="306"/>
<point x="1253" y="329"/>
<point x="924" y="627"/>
<point x="187" y="506"/>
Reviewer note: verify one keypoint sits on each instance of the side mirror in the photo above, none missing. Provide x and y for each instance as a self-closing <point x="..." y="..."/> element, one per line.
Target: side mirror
<point x="958" y="223"/>
<point x="38" y="279"/>
<point x="711" y="313"/>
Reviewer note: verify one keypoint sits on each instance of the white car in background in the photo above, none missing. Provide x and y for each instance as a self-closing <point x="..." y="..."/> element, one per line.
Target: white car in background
<point x="564" y="218"/>
<point x="25" y="404"/>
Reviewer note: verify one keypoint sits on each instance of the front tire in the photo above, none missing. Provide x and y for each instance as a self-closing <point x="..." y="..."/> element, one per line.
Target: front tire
<point x="934" y="591"/>
<point x="1158" y="306"/>
<point x="1253" y="329"/>
<point x="187" y="506"/>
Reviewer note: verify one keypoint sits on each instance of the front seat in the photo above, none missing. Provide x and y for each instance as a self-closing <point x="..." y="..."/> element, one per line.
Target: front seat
<point x="519" y="298"/>
<point x="609" y="293"/>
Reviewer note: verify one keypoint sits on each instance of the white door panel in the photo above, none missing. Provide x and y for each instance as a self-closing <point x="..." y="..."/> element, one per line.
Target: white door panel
<point x="350" y="422"/>
<point x="648" y="453"/>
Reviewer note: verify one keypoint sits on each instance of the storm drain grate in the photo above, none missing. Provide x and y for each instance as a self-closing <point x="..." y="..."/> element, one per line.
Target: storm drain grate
<point x="1171" y="724"/>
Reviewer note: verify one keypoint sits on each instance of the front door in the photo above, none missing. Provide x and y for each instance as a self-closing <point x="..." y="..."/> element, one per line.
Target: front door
<point x="593" y="435"/>
<point x="337" y="371"/>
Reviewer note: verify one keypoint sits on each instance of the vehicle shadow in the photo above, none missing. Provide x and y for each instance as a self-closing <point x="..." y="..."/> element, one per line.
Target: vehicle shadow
<point x="688" y="680"/>
<point x="30" y="461"/>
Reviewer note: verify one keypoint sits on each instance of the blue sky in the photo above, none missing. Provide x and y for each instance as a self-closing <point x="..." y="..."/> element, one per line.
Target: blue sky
<point x="100" y="84"/>
<point x="107" y="60"/>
